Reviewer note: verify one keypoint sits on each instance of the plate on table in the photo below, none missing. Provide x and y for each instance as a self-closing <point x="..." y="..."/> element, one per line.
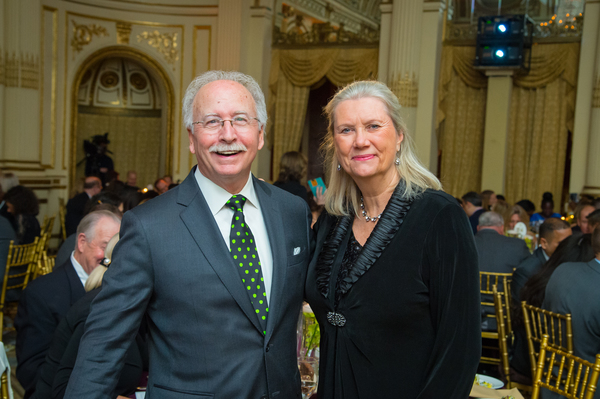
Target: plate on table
<point x="494" y="382"/>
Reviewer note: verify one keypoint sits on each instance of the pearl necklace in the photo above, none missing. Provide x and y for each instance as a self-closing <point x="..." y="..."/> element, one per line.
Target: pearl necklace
<point x="364" y="212"/>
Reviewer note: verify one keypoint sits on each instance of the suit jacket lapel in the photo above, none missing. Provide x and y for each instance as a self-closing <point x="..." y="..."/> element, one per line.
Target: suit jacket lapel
<point x="275" y="230"/>
<point x="77" y="290"/>
<point x="198" y="220"/>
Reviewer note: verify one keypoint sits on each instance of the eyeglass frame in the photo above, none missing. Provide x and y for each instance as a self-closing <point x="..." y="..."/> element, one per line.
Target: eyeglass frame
<point x="223" y="122"/>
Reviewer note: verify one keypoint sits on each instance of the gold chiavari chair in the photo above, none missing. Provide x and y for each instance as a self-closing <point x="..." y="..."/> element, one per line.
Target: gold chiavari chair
<point x="19" y="264"/>
<point x="565" y="373"/>
<point x="48" y="224"/>
<point x="487" y="282"/>
<point x="45" y="265"/>
<point x="4" y="385"/>
<point x="540" y="322"/>
<point x="62" y="212"/>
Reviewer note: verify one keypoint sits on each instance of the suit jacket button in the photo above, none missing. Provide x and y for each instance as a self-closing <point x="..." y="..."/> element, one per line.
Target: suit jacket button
<point x="267" y="348"/>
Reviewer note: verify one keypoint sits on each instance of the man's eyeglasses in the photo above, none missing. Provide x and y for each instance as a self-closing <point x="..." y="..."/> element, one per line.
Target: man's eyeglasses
<point x="240" y="123"/>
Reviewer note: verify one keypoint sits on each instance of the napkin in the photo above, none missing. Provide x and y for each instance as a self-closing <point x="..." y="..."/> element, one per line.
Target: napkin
<point x="482" y="392"/>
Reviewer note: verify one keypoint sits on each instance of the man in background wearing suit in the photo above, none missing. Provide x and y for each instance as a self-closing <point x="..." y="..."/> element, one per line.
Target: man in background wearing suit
<point x="216" y="265"/>
<point x="76" y="205"/>
<point x="497" y="253"/>
<point x="47" y="299"/>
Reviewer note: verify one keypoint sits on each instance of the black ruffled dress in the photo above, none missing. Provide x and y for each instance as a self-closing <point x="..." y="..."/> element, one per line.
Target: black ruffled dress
<point x="400" y="316"/>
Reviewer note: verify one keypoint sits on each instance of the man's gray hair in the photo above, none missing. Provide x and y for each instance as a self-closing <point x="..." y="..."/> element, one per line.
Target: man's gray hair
<point x="88" y="224"/>
<point x="491" y="219"/>
<point x="212" y="76"/>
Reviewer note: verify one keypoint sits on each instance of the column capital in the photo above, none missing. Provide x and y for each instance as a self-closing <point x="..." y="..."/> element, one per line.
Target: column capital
<point x="260" y="11"/>
<point x="499" y="72"/>
<point x="386" y="8"/>
<point x="429" y="6"/>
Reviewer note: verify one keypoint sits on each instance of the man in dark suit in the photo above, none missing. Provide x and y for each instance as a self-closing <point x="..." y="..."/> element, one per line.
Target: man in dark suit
<point x="47" y="299"/>
<point x="472" y="204"/>
<point x="7" y="234"/>
<point x="497" y="253"/>
<point x="76" y="205"/>
<point x="217" y="265"/>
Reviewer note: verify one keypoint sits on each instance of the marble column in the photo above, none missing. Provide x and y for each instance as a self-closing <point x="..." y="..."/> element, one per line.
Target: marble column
<point x="430" y="58"/>
<point x="385" y="30"/>
<point x="258" y="62"/>
<point x="229" y="34"/>
<point x="585" y="173"/>
<point x="497" y="113"/>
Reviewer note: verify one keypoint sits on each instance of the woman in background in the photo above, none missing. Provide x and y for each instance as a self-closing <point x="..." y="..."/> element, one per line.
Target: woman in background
<point x="292" y="171"/>
<point x="23" y="207"/>
<point x="394" y="280"/>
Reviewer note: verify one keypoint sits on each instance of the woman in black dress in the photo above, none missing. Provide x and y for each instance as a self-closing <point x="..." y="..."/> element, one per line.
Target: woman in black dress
<point x="394" y="281"/>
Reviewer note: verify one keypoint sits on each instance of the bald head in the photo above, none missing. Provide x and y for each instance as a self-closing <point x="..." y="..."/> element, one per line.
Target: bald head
<point x="92" y="185"/>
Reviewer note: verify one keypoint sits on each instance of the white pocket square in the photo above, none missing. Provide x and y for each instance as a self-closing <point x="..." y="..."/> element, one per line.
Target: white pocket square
<point x="296" y="250"/>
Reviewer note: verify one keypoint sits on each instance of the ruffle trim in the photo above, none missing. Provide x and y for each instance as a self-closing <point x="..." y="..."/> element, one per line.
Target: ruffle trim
<point x="391" y="220"/>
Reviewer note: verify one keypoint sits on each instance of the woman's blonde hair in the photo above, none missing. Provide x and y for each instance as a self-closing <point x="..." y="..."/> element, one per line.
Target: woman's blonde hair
<point x="504" y="209"/>
<point x="94" y="280"/>
<point x="342" y="193"/>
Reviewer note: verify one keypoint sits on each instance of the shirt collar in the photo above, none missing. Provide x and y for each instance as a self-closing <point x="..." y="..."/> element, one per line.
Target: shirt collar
<point x="597" y="260"/>
<point x="216" y="196"/>
<point x="83" y="276"/>
<point x="545" y="255"/>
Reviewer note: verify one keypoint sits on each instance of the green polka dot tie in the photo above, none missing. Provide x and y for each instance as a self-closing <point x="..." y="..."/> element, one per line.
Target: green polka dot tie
<point x="245" y="257"/>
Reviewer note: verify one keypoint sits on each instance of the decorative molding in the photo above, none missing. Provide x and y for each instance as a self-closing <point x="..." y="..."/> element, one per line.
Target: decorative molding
<point x="1" y="67"/>
<point x="11" y="70"/>
<point x="123" y="32"/>
<point x="596" y="95"/>
<point x="164" y="43"/>
<point x="30" y="72"/>
<point x="83" y="34"/>
<point x="407" y="90"/>
<point x="297" y="33"/>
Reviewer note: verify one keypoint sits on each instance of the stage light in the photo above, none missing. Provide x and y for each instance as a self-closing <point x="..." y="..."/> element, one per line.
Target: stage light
<point x="499" y="53"/>
<point x="502" y="28"/>
<point x="501" y="41"/>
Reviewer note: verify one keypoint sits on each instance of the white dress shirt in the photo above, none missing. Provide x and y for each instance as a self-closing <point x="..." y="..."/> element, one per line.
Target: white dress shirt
<point x="83" y="276"/>
<point x="216" y="198"/>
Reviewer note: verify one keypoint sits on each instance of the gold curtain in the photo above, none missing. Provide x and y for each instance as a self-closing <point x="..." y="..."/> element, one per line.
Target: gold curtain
<point x="134" y="141"/>
<point x="542" y="112"/>
<point x="461" y="120"/>
<point x="292" y="74"/>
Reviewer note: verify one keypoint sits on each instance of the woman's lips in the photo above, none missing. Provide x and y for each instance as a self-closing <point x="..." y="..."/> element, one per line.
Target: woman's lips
<point x="363" y="157"/>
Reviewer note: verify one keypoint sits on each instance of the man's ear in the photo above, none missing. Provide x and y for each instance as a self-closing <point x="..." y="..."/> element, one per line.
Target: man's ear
<point x="80" y="242"/>
<point x="544" y="243"/>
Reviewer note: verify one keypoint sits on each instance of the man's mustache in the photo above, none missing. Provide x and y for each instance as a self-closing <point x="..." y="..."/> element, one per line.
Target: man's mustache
<point x="222" y="147"/>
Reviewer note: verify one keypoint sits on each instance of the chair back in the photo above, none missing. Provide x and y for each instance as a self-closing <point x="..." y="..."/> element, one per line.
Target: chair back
<point x="45" y="265"/>
<point x="539" y="322"/>
<point x="48" y="225"/>
<point x="487" y="281"/>
<point x="62" y="213"/>
<point x="505" y="335"/>
<point x="565" y="373"/>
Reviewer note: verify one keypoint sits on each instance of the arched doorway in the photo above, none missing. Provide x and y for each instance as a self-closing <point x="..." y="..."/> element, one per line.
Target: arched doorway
<point x="124" y="92"/>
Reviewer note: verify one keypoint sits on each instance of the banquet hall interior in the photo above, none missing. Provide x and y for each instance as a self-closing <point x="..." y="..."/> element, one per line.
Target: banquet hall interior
<point x="80" y="76"/>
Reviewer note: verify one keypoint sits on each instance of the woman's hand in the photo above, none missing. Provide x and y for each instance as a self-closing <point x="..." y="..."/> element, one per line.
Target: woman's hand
<point x="320" y="197"/>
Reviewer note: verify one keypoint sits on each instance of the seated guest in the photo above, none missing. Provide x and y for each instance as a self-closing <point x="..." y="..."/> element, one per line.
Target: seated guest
<point x="582" y="210"/>
<point x="518" y="214"/>
<point x="161" y="186"/>
<point x="552" y="233"/>
<point x="547" y="211"/>
<point x="292" y="171"/>
<point x="94" y="204"/>
<point x="573" y="288"/>
<point x="132" y="180"/>
<point x="503" y="208"/>
<point x="528" y="206"/>
<point x="60" y="360"/>
<point x="471" y="203"/>
<point x="594" y="220"/>
<point x="76" y="205"/>
<point x="497" y="253"/>
<point x="488" y="199"/>
<point x="47" y="299"/>
<point x="23" y="207"/>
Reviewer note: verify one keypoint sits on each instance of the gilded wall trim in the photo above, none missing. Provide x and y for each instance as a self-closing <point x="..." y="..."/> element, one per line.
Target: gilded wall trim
<point x="22" y="70"/>
<point x="164" y="43"/>
<point x="53" y="77"/>
<point x="596" y="95"/>
<point x="123" y="32"/>
<point x="83" y="35"/>
<point x="407" y="90"/>
<point x="11" y="74"/>
<point x="126" y="52"/>
<point x="30" y="71"/>
<point x="1" y="67"/>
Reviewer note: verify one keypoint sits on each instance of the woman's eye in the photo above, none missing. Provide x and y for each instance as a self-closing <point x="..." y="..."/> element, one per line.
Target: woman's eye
<point x="373" y="126"/>
<point x="345" y="130"/>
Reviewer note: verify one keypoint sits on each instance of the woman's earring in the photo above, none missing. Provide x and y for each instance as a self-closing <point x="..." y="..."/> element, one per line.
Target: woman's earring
<point x="397" y="161"/>
<point x="339" y="167"/>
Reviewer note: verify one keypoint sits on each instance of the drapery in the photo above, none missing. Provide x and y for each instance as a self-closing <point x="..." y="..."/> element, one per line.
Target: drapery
<point x="461" y="120"/>
<point x="134" y="141"/>
<point x="541" y="114"/>
<point x="292" y="74"/>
